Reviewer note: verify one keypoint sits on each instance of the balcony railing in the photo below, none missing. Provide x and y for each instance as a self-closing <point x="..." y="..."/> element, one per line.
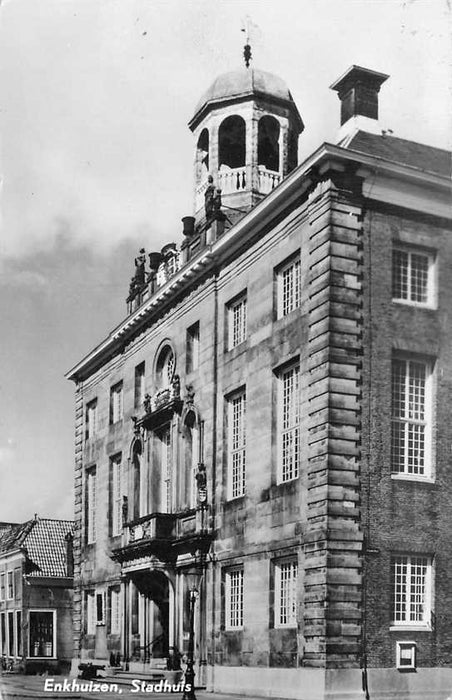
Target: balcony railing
<point x="268" y="179"/>
<point x="162" y="398"/>
<point x="163" y="527"/>
<point x="234" y="180"/>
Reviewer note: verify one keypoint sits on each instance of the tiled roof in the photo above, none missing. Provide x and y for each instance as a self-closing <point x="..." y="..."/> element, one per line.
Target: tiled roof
<point x="46" y="547"/>
<point x="44" y="542"/>
<point x="417" y="155"/>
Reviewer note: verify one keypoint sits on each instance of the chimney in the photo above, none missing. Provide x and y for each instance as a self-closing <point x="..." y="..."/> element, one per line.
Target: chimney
<point x="358" y="90"/>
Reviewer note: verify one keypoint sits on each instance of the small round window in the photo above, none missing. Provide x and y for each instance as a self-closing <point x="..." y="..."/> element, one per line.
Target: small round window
<point x="166" y="365"/>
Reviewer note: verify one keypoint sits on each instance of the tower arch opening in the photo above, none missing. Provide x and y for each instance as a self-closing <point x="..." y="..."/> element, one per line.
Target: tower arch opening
<point x="232" y="142"/>
<point x="268" y="143"/>
<point x="202" y="156"/>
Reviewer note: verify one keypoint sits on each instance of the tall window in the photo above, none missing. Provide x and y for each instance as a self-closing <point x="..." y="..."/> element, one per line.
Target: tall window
<point x="286" y="575"/>
<point x="139" y="385"/>
<point x="90" y="612"/>
<point x="236" y="445"/>
<point x="165" y="367"/>
<point x="166" y="471"/>
<point x="412" y="590"/>
<point x="116" y="407"/>
<point x="18" y="633"/>
<point x="236" y="322"/>
<point x="10" y="585"/>
<point x="2" y="586"/>
<point x="42" y="633"/>
<point x="412" y="276"/>
<point x="91" y="419"/>
<point x="193" y="347"/>
<point x="411" y="409"/>
<point x="115" y="495"/>
<point x="90" y="509"/>
<point x="289" y="286"/>
<point x="289" y="423"/>
<point x="234" y="599"/>
<point x="115" y="611"/>
<point x="4" y="649"/>
<point x="100" y="608"/>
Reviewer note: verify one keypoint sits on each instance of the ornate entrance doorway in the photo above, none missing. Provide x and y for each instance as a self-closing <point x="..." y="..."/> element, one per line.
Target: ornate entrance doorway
<point x="151" y="616"/>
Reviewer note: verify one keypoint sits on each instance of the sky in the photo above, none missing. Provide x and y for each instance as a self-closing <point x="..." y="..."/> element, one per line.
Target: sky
<point x="96" y="161"/>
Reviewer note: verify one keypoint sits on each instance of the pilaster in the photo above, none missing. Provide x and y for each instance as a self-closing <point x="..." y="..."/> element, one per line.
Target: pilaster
<point x="333" y="537"/>
<point x="78" y="517"/>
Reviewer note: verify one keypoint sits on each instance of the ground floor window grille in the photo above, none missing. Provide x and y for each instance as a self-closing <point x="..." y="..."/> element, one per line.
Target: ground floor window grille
<point x="42" y="634"/>
<point x="412" y="581"/>
<point x="286" y="575"/>
<point x="234" y="599"/>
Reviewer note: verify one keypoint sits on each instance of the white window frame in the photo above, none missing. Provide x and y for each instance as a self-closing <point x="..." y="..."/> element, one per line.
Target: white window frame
<point x="10" y="585"/>
<point x="401" y="656"/>
<point x="234" y="589"/>
<point x="285" y="602"/>
<point x="406" y="595"/>
<point x="166" y="469"/>
<point x="116" y="495"/>
<point x="115" y="610"/>
<point x="116" y="403"/>
<point x="3" y="585"/>
<point x="410" y="252"/>
<point x="236" y="456"/>
<point x="139" y="385"/>
<point x="91" y="505"/>
<point x="408" y="424"/>
<point x="90" y="612"/>
<point x="54" y="623"/>
<point x="288" y="422"/>
<point x="100" y="619"/>
<point x="237" y="321"/>
<point x="193" y="347"/>
<point x="19" y="645"/>
<point x="288" y="286"/>
<point x="91" y="419"/>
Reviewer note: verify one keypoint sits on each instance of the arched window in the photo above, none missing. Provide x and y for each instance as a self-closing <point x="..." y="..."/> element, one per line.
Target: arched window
<point x="202" y="156"/>
<point x="268" y="143"/>
<point x="231" y="142"/>
<point x="136" y="476"/>
<point x="165" y="367"/>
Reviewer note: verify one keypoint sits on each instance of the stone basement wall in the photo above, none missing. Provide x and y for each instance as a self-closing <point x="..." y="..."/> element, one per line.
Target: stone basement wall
<point x="333" y="538"/>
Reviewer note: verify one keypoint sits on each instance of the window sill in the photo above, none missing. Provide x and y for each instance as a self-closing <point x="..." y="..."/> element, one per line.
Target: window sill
<point x="410" y="628"/>
<point x="40" y="658"/>
<point x="414" y="304"/>
<point x="413" y="477"/>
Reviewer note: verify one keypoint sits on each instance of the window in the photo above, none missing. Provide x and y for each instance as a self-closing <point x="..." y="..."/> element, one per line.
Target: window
<point x="412" y="277"/>
<point x="286" y="574"/>
<point x="4" y="649"/>
<point x="236" y="322"/>
<point x="193" y="347"/>
<point x="42" y="633"/>
<point x="411" y="420"/>
<point x="236" y="445"/>
<point x="90" y="610"/>
<point x="115" y="611"/>
<point x="406" y="655"/>
<point x="412" y="586"/>
<point x="90" y="510"/>
<point x="116" y="403"/>
<point x="2" y="587"/>
<point x="91" y="419"/>
<point x="100" y="609"/>
<point x="11" y="636"/>
<point x="115" y="495"/>
<point x="288" y="419"/>
<point x="166" y="471"/>
<point x="18" y="633"/>
<point x="234" y="599"/>
<point x="165" y="368"/>
<point x="289" y="287"/>
<point x="139" y="385"/>
<point x="10" y="585"/>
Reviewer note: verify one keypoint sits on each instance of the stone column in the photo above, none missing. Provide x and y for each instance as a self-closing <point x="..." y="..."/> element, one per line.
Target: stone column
<point x="333" y="540"/>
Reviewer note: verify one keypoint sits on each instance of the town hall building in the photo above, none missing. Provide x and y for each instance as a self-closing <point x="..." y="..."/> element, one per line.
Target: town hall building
<point x="264" y="440"/>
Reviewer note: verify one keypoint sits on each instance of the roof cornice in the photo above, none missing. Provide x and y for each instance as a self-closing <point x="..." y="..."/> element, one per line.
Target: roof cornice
<point x="292" y="188"/>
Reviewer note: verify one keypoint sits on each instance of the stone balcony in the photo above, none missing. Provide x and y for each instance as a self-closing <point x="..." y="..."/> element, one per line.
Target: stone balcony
<point x="165" y="535"/>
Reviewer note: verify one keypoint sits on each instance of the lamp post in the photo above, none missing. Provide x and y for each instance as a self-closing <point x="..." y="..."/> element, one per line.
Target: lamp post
<point x="189" y="686"/>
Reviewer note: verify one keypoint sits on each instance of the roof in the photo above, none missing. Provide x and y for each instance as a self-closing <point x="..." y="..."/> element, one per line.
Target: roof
<point x="44" y="542"/>
<point x="356" y="74"/>
<point x="415" y="155"/>
<point x="246" y="82"/>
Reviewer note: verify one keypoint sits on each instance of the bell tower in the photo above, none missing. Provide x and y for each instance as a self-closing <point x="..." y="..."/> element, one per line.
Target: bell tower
<point x="246" y="129"/>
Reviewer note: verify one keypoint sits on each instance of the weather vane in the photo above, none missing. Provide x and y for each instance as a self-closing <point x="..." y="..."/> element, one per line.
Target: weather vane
<point x="247" y="47"/>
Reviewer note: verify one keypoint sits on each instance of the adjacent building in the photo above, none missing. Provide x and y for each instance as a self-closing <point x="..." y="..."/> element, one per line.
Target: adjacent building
<point x="36" y="570"/>
<point x="267" y="432"/>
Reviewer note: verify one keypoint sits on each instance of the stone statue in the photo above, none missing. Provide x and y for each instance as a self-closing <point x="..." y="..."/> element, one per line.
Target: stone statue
<point x="209" y="196"/>
<point x="147" y="403"/>
<point x="201" y="483"/>
<point x="125" y="510"/>
<point x="140" y="262"/>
